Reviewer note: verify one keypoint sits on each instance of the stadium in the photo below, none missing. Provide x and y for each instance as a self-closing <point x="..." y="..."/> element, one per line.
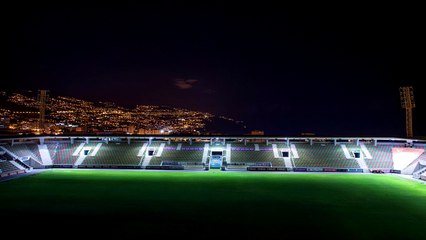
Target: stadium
<point x="223" y="120"/>
<point x="231" y="153"/>
<point x="239" y="186"/>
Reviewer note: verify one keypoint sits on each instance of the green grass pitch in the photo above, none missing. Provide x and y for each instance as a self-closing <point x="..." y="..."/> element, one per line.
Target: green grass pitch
<point x="241" y="205"/>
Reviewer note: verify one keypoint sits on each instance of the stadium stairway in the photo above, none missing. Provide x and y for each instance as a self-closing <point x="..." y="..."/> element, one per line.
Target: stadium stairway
<point x="367" y="154"/>
<point x="346" y="151"/>
<point x="146" y="160"/>
<point x="160" y="150"/>
<point x="419" y="173"/>
<point x="78" y="150"/>
<point x="361" y="162"/>
<point x="205" y="153"/>
<point x="82" y="156"/>
<point x="228" y="153"/>
<point x="9" y="152"/>
<point x="141" y="153"/>
<point x="287" y="162"/>
<point x="294" y="151"/>
<point x="45" y="155"/>
<point x="275" y="151"/>
<point x="142" y="150"/>
<point x="415" y="167"/>
<point x="17" y="165"/>
<point x="22" y="164"/>
<point x="80" y="160"/>
<point x="98" y="146"/>
<point x="281" y="148"/>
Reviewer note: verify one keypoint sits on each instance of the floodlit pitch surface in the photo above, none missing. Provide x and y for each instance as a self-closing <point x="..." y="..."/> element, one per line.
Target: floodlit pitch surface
<point x="254" y="205"/>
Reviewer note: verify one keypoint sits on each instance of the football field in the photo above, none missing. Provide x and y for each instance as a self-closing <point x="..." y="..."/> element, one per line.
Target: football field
<point x="205" y="204"/>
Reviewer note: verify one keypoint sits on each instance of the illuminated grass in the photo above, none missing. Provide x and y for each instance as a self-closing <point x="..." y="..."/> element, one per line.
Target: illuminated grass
<point x="369" y="206"/>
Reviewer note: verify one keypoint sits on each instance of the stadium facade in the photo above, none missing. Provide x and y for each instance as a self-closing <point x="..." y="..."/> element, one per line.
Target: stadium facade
<point x="229" y="153"/>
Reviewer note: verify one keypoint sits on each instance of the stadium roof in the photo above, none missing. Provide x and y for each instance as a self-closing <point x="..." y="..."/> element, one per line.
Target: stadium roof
<point x="207" y="137"/>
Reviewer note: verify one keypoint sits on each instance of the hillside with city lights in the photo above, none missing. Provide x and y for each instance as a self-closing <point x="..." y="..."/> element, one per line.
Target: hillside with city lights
<point x="20" y="114"/>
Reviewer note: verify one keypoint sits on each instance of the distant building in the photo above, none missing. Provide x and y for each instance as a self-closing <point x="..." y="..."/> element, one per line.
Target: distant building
<point x="257" y="132"/>
<point x="307" y="134"/>
<point x="149" y="131"/>
<point x="4" y="122"/>
<point x="131" y="129"/>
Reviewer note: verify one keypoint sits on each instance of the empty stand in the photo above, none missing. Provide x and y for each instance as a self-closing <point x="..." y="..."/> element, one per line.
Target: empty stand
<point x="254" y="153"/>
<point x="25" y="150"/>
<point x="114" y="154"/>
<point x="62" y="153"/>
<point x="7" y="166"/>
<point x="381" y="156"/>
<point x="187" y="154"/>
<point x="235" y="155"/>
<point x="322" y="155"/>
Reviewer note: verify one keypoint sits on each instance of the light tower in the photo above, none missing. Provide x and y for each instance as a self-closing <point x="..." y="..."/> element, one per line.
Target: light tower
<point x="42" y="97"/>
<point x="407" y="102"/>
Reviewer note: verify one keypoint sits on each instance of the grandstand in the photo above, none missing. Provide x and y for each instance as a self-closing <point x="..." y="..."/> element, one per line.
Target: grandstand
<point x="12" y="167"/>
<point x="7" y="166"/>
<point x="181" y="153"/>
<point x="62" y="153"/>
<point x="25" y="150"/>
<point x="5" y="156"/>
<point x="115" y="154"/>
<point x="252" y="154"/>
<point x="231" y="153"/>
<point x="382" y="156"/>
<point x="323" y="155"/>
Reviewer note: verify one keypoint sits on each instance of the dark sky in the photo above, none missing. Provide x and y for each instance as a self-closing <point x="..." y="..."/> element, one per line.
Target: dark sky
<point x="331" y="70"/>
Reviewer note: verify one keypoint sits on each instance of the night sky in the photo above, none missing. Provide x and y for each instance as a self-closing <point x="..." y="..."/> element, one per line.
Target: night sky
<point x="331" y="70"/>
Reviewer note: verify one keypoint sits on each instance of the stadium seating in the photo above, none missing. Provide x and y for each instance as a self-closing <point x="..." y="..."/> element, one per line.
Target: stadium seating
<point x="156" y="144"/>
<point x="22" y="164"/>
<point x="115" y="154"/>
<point x="352" y="147"/>
<point x="319" y="155"/>
<point x="241" y="153"/>
<point x="187" y="155"/>
<point x="322" y="155"/>
<point x="6" y="166"/>
<point x="25" y="150"/>
<point x="382" y="156"/>
<point x="281" y="145"/>
<point x="61" y="153"/>
<point x="91" y="146"/>
<point x="5" y="156"/>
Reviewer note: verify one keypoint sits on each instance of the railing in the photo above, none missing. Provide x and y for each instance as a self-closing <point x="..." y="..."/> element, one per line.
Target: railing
<point x="23" y="164"/>
<point x="418" y="173"/>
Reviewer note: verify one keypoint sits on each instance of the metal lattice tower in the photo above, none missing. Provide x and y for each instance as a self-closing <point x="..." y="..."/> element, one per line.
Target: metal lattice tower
<point x="407" y="102"/>
<point x="42" y="97"/>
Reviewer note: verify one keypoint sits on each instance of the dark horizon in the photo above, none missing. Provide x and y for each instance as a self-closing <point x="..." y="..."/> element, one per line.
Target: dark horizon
<point x="281" y="70"/>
